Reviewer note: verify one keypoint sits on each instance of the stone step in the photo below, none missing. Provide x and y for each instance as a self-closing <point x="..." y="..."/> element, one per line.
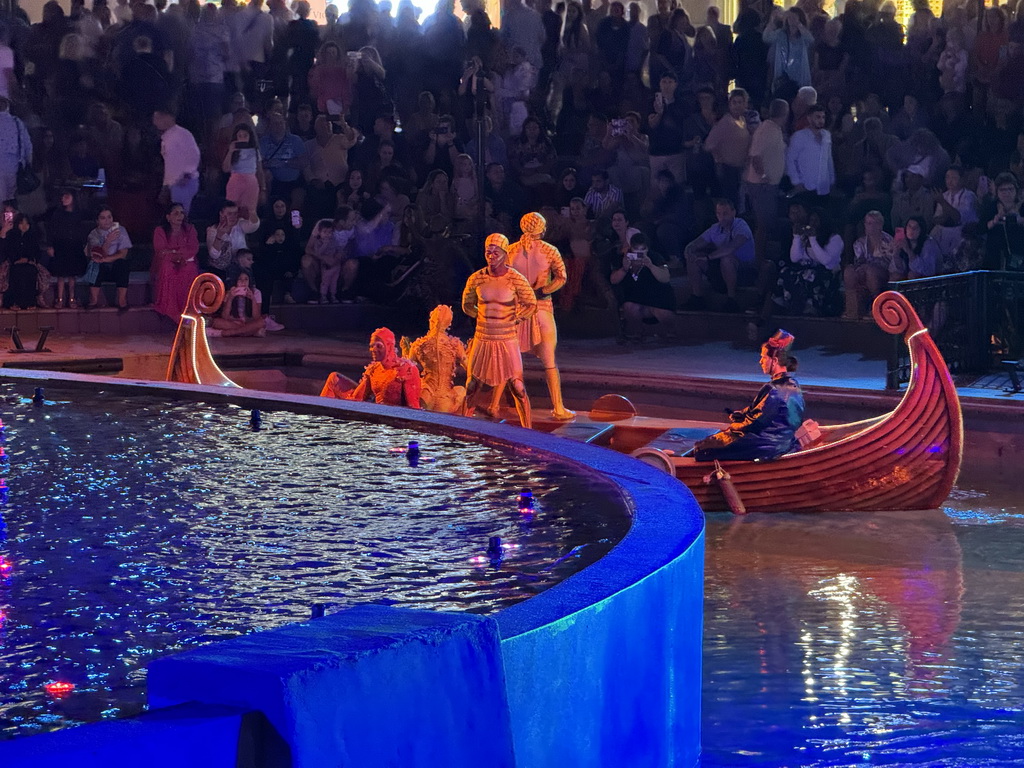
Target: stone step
<point x="104" y="320"/>
<point x="832" y="333"/>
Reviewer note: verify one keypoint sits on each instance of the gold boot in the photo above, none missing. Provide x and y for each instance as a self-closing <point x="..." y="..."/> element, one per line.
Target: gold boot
<point x="558" y="409"/>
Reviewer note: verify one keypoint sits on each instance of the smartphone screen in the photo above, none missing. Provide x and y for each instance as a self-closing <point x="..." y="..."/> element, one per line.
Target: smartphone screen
<point x="8" y="216"/>
<point x="296" y="219"/>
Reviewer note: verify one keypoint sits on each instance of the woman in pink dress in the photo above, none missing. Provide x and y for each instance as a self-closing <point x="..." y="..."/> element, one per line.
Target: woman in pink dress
<point x="175" y="245"/>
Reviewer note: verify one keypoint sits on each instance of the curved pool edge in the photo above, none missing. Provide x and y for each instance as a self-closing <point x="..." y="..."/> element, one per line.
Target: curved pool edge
<point x="601" y="669"/>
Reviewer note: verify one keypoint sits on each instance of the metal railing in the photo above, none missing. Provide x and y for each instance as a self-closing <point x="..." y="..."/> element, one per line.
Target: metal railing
<point x="976" y="319"/>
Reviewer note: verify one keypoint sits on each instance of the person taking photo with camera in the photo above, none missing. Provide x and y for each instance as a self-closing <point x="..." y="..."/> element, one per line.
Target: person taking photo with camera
<point x="1004" y="246"/>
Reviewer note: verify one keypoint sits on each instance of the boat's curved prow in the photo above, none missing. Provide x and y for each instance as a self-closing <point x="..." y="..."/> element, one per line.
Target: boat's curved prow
<point x="942" y="427"/>
<point x="191" y="361"/>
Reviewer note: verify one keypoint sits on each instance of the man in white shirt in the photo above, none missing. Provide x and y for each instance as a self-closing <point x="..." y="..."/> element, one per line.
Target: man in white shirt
<point x="227" y="237"/>
<point x="181" y="159"/>
<point x="522" y="27"/>
<point x="766" y="165"/>
<point x="809" y="159"/>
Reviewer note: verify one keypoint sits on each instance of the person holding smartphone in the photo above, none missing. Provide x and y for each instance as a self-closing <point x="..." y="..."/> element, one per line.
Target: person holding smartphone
<point x="646" y="296"/>
<point x="108" y="245"/>
<point x="240" y="313"/>
<point x="247" y="184"/>
<point x="1004" y="246"/>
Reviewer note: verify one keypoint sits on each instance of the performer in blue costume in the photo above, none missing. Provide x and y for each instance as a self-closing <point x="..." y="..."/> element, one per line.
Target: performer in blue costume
<point x="765" y="429"/>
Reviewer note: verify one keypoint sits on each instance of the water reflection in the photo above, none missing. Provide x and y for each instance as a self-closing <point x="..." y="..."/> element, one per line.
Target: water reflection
<point x="844" y="639"/>
<point x="135" y="535"/>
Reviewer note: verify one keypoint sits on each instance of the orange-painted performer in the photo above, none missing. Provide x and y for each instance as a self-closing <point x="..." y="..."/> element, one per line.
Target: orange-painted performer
<point x="541" y="264"/>
<point x="439" y="354"/>
<point x="500" y="299"/>
<point x="388" y="380"/>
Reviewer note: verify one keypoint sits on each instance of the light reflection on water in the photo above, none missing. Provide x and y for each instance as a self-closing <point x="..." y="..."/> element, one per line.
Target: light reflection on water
<point x="867" y="639"/>
<point x="135" y="530"/>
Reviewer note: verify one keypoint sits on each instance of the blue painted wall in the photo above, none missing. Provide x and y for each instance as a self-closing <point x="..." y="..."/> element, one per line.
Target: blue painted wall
<point x="177" y="737"/>
<point x="616" y="684"/>
<point x="367" y="687"/>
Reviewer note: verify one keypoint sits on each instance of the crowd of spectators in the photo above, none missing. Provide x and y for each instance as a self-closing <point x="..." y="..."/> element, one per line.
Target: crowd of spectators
<point x="806" y="155"/>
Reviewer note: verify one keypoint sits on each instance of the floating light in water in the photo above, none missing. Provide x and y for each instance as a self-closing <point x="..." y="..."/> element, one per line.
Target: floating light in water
<point x="59" y="689"/>
<point x="317" y="610"/>
<point x="526" y="500"/>
<point x="37" y="398"/>
<point x="255" y="420"/>
<point x="412" y="453"/>
<point x="6" y="566"/>
<point x="496" y="549"/>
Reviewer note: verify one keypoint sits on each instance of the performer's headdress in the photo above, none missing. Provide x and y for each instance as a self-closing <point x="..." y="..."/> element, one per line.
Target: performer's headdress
<point x="444" y="315"/>
<point x="385" y="335"/>
<point x="778" y="346"/>
<point x="533" y="224"/>
<point x="497" y="239"/>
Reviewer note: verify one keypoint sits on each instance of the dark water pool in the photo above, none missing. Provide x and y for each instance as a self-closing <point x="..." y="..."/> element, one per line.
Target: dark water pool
<point x="133" y="528"/>
<point x="887" y="639"/>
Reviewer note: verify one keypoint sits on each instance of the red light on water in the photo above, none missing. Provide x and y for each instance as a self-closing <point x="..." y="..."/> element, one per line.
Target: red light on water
<point x="59" y="689"/>
<point x="6" y="566"/>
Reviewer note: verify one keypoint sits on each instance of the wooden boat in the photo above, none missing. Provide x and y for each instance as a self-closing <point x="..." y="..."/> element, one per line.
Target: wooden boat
<point x="908" y="458"/>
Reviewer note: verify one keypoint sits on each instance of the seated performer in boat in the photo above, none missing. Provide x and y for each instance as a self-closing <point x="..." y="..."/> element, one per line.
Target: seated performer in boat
<point x="765" y="429"/>
<point x="388" y="380"/>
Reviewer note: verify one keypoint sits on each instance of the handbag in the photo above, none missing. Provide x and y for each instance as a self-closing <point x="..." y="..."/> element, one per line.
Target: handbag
<point x="26" y="181"/>
<point x="92" y="273"/>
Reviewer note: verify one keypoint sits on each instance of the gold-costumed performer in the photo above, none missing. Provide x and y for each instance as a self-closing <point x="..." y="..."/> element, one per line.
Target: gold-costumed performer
<point x="500" y="299"/>
<point x="439" y="355"/>
<point x="541" y="264"/>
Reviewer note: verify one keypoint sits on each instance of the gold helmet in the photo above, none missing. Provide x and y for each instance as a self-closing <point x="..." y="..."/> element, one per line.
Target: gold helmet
<point x="533" y="224"/>
<point x="497" y="239"/>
